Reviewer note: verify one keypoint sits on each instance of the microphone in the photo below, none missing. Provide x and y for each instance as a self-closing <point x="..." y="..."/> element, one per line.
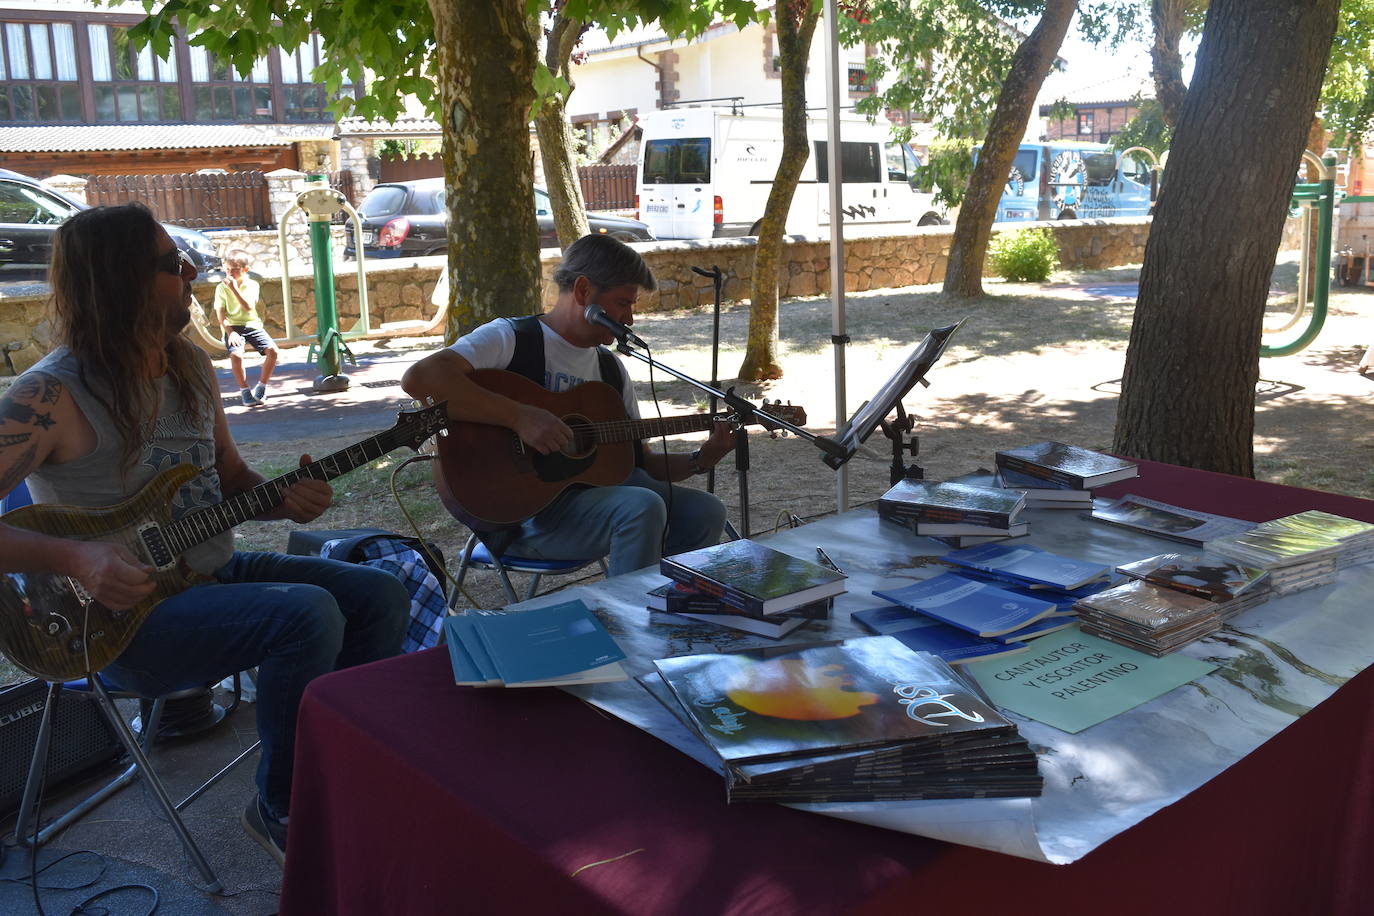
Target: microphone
<point x="595" y="314"/>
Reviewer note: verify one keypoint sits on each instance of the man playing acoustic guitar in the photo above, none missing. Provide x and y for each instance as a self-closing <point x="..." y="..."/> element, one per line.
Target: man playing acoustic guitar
<point x="122" y="399"/>
<point x="561" y="350"/>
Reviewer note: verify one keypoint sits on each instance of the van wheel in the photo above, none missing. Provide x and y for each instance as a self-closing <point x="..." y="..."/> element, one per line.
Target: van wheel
<point x="1068" y="213"/>
<point x="932" y="219"/>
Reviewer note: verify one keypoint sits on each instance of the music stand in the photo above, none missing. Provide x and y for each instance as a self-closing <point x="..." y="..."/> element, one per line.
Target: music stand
<point x="873" y="413"/>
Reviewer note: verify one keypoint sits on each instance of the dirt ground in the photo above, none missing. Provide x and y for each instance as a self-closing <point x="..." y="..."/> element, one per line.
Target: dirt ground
<point x="1030" y="363"/>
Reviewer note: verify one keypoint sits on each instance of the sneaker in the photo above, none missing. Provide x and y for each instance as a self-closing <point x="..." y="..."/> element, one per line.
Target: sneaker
<point x="268" y="831"/>
<point x="260" y="392"/>
<point x="247" y="397"/>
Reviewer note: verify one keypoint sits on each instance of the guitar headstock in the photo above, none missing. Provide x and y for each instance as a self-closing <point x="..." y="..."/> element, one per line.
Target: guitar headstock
<point x="788" y="413"/>
<point x="413" y="427"/>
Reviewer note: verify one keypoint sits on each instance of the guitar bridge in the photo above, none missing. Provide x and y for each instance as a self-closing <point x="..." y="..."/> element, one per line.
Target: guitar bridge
<point x="155" y="546"/>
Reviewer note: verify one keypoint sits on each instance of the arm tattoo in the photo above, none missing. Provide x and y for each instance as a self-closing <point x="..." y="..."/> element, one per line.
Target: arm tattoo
<point x="17" y="472"/>
<point x="34" y="388"/>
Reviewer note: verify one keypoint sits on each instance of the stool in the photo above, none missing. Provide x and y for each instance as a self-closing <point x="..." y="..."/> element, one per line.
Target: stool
<point x="476" y="554"/>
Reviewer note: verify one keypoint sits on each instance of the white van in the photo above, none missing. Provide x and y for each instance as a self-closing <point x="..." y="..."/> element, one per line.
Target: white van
<point x="707" y="172"/>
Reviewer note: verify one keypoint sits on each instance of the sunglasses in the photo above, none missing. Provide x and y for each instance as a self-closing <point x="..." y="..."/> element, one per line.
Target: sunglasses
<point x="174" y="262"/>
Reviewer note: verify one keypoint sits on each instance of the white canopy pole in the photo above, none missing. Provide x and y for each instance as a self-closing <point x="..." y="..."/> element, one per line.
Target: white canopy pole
<point x="835" y="176"/>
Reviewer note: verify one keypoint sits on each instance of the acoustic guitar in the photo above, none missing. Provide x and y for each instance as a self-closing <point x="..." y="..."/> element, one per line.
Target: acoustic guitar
<point x="488" y="478"/>
<point x="52" y="628"/>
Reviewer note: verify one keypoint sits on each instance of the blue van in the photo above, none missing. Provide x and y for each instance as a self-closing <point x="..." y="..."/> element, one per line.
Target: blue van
<point x="1063" y="179"/>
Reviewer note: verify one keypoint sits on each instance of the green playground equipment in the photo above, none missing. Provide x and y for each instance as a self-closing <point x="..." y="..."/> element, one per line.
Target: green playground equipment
<point x="319" y="202"/>
<point x="1314" y="267"/>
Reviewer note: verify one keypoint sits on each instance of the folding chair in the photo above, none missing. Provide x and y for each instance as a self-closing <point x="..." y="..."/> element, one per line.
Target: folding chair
<point x="95" y="690"/>
<point x="476" y="555"/>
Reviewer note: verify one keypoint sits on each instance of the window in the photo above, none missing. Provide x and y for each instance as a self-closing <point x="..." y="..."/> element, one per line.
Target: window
<point x="686" y="161"/>
<point x="1085" y="122"/>
<point x="859" y="162"/>
<point x="859" y="80"/>
<point x="38" y="70"/>
<point x="21" y="204"/>
<point x="130" y="83"/>
<point x="221" y="93"/>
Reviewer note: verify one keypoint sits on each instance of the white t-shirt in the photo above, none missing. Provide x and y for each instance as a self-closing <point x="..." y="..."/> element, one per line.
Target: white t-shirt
<point x="565" y="365"/>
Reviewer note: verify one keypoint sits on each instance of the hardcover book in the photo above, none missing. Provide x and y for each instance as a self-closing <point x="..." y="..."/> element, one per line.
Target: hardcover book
<point x="920" y="633"/>
<point x="753" y="577"/>
<point x="1209" y="575"/>
<point x="976" y="607"/>
<point x="1040" y="496"/>
<point x="1029" y="564"/>
<point x="676" y="598"/>
<point x="775" y="627"/>
<point x="765" y="705"/>
<point x="1150" y="516"/>
<point x="1065" y="466"/>
<point x="950" y="502"/>
<point x="937" y="529"/>
<point x="559" y="644"/>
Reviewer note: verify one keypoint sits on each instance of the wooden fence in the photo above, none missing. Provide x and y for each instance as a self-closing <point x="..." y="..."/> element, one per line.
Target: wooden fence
<point x="409" y="168"/>
<point x="608" y="187"/>
<point x="220" y="200"/>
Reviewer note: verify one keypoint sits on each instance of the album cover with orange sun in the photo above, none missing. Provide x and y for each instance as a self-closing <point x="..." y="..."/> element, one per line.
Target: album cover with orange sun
<point x="759" y="705"/>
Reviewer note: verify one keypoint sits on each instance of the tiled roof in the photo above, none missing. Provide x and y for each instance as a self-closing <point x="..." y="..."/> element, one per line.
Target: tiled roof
<point x="408" y="126"/>
<point x="76" y="138"/>
<point x="1118" y="90"/>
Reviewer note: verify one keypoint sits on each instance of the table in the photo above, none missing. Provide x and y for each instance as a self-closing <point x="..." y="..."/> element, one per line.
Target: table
<point x="413" y="796"/>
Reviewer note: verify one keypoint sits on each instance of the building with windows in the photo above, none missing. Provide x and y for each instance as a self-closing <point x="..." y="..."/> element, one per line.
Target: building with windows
<point x="77" y="97"/>
<point x="1096" y="113"/>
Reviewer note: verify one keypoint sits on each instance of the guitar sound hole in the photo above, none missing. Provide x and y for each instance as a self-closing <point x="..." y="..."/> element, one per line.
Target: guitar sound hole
<point x="584" y="437"/>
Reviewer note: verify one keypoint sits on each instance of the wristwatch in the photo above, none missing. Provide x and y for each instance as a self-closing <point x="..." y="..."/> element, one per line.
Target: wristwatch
<point x="694" y="463"/>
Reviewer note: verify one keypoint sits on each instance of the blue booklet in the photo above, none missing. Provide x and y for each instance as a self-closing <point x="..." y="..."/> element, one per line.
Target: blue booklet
<point x="925" y="634"/>
<point x="559" y="644"/>
<point x="978" y="607"/>
<point x="1029" y="564"/>
<point x="471" y="666"/>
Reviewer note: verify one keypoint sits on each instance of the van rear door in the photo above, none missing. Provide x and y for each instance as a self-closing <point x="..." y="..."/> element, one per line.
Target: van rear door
<point x="675" y="187"/>
<point x="866" y="200"/>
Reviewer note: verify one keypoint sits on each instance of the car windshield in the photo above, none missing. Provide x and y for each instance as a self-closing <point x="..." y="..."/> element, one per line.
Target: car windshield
<point x="22" y="204"/>
<point x="542" y="206"/>
<point x="383" y="201"/>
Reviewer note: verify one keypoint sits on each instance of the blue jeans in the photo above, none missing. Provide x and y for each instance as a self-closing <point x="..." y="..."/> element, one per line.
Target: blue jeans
<point x="293" y="617"/>
<point x="624" y="521"/>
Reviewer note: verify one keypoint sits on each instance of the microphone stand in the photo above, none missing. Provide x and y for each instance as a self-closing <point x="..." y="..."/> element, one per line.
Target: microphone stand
<point x="741" y="434"/>
<point x="742" y="408"/>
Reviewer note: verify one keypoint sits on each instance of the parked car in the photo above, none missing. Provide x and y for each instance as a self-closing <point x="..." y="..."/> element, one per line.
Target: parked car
<point x="30" y="214"/>
<point x="408" y="219"/>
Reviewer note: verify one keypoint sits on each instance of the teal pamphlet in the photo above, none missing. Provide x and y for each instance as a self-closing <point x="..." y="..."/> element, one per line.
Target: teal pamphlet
<point x="1073" y="681"/>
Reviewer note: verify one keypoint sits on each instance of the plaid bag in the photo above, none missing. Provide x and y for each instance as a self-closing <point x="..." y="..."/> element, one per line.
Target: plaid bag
<point x="399" y="556"/>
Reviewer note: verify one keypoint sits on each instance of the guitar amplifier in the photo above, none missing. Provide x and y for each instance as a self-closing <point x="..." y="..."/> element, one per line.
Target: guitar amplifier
<point x="81" y="739"/>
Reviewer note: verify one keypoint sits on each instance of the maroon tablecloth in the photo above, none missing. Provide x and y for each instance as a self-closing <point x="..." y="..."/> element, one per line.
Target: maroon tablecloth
<point x="415" y="797"/>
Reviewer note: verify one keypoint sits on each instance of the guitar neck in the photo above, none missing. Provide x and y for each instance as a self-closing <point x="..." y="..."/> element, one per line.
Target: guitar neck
<point x="629" y="430"/>
<point x="203" y="524"/>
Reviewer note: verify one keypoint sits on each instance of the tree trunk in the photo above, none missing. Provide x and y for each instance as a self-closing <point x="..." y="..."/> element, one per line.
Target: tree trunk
<point x="555" y="135"/>
<point x="794" y="44"/>
<point x="1031" y="64"/>
<point x="1188" y="394"/>
<point x="485" y="68"/>
<point x="1169" y="19"/>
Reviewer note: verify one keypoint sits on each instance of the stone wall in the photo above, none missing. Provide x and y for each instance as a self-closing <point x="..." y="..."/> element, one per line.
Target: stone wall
<point x="400" y="290"/>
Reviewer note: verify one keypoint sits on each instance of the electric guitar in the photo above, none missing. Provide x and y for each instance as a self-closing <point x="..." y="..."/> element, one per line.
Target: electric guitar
<point x="52" y="628"/>
<point x="488" y="478"/>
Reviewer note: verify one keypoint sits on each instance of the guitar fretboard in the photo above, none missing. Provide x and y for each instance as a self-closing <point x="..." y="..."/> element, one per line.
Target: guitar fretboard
<point x="629" y="430"/>
<point x="203" y="524"/>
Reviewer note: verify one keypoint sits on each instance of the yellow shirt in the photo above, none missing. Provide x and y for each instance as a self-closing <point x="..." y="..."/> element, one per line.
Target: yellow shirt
<point x="233" y="310"/>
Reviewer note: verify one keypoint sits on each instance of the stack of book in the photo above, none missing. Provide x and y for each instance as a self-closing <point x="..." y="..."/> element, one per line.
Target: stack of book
<point x="1148" y="618"/>
<point x="1031" y="571"/>
<point x="545" y="647"/>
<point x="865" y="719"/>
<point x="957" y="512"/>
<point x="1175" y="523"/>
<point x="1300" y="551"/>
<point x="978" y="608"/>
<point x="952" y="645"/>
<point x="1055" y="475"/>
<point x="1232" y="587"/>
<point x="684" y="601"/>
<point x="757" y="589"/>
